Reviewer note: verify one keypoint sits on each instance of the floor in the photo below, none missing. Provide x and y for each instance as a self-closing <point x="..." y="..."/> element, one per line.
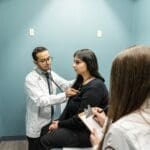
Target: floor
<point x="23" y="145"/>
<point x="13" y="145"/>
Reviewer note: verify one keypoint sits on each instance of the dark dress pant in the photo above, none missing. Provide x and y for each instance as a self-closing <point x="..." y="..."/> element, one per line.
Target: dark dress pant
<point x="34" y="143"/>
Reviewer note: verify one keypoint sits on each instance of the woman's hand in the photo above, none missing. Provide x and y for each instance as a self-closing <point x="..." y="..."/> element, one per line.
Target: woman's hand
<point x="94" y="138"/>
<point x="71" y="92"/>
<point x="54" y="125"/>
<point x="98" y="115"/>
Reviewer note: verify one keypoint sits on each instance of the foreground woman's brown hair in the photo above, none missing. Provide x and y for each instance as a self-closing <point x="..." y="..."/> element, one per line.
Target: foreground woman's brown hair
<point x="129" y="83"/>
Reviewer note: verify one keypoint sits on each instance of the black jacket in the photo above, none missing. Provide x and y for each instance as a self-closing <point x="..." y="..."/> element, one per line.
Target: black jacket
<point x="94" y="94"/>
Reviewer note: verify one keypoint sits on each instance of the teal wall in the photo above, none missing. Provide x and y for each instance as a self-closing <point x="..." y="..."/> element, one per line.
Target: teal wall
<point x="63" y="26"/>
<point x="0" y="118"/>
<point x="142" y="22"/>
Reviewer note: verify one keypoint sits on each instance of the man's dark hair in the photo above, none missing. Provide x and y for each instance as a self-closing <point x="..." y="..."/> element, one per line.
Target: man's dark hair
<point x="37" y="50"/>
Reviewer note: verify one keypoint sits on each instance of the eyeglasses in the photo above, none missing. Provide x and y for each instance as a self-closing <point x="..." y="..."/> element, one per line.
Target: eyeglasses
<point x="46" y="60"/>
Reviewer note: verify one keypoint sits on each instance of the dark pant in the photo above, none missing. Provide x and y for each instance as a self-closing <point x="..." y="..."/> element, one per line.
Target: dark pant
<point x="34" y="143"/>
<point x="45" y="130"/>
<point x="63" y="137"/>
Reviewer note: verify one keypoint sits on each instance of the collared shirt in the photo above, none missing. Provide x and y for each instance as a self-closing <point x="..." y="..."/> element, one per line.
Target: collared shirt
<point x="131" y="132"/>
<point x="39" y="101"/>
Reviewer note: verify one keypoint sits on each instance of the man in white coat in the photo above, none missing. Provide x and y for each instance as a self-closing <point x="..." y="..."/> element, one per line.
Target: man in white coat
<point x="41" y="95"/>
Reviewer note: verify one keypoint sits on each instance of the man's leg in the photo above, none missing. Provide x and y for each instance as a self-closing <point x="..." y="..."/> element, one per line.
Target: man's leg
<point x="60" y="138"/>
<point x="33" y="143"/>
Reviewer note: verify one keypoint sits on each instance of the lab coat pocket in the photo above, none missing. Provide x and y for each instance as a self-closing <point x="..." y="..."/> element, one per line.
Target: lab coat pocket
<point x="45" y="112"/>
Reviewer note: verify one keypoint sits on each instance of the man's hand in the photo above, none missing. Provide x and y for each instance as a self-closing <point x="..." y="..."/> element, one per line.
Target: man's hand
<point x="71" y="92"/>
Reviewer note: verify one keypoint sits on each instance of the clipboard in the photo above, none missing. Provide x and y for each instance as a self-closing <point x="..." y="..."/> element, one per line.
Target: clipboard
<point x="88" y="119"/>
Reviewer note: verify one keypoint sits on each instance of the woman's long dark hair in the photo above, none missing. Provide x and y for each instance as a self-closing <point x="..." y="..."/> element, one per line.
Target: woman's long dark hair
<point x="129" y="82"/>
<point x="89" y="57"/>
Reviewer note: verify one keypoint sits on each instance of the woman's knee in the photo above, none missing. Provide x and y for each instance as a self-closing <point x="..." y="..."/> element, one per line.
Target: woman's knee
<point x="46" y="142"/>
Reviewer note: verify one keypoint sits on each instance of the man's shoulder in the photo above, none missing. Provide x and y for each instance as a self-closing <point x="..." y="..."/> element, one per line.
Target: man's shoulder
<point x="53" y="73"/>
<point x="31" y="75"/>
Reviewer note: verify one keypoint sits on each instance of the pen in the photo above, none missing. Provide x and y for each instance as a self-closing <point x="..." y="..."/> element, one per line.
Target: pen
<point x="103" y="109"/>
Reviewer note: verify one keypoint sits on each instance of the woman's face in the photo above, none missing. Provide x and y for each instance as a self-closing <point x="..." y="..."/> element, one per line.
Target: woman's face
<point x="79" y="66"/>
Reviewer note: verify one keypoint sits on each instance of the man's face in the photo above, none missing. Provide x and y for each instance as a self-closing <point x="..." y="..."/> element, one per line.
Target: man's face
<point x="43" y="61"/>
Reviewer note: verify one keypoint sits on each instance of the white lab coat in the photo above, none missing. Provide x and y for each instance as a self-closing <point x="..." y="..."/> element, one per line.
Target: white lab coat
<point x="38" y="110"/>
<point x="131" y="132"/>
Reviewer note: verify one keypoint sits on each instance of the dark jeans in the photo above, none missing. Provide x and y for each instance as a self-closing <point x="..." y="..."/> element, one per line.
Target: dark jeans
<point x="63" y="137"/>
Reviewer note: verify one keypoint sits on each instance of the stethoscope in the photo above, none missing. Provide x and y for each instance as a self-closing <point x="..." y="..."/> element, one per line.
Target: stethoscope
<point x="51" y="78"/>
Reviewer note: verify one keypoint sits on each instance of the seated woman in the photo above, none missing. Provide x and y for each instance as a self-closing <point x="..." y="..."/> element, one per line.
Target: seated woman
<point x="68" y="130"/>
<point x="128" y="125"/>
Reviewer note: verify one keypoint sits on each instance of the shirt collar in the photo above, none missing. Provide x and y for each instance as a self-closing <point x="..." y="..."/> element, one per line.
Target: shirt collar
<point x="38" y="70"/>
